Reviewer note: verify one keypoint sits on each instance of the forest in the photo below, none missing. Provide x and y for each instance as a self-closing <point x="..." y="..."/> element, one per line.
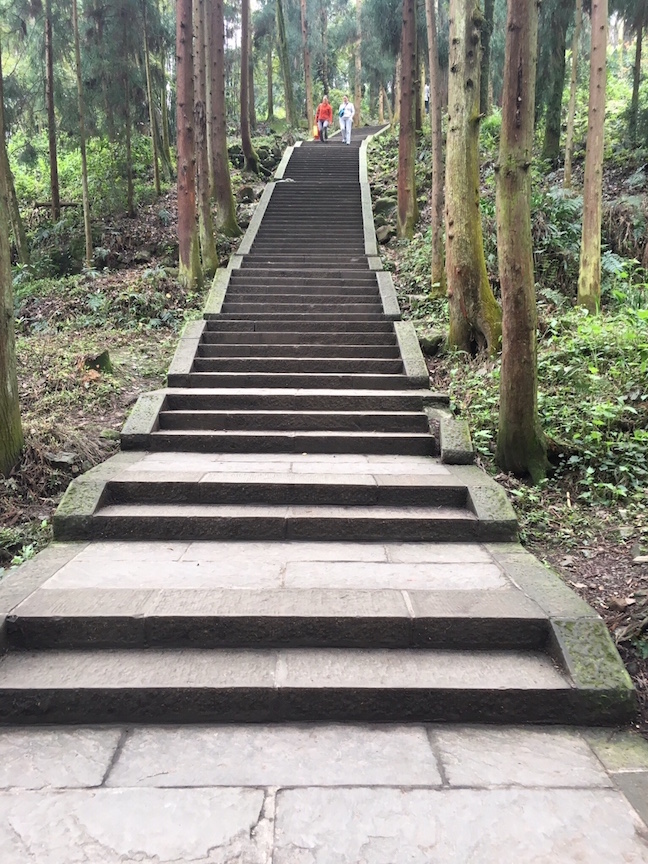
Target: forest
<point x="136" y="138"/>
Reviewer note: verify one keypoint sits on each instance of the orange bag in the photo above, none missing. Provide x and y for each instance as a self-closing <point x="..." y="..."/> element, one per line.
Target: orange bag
<point x="315" y="131"/>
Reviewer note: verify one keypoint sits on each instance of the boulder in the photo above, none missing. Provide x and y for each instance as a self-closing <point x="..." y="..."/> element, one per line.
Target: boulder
<point x="245" y="194"/>
<point x="385" y="233"/>
<point x="384" y="205"/>
<point x="431" y="341"/>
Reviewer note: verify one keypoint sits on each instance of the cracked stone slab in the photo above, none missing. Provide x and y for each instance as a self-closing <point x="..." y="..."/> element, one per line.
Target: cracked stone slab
<point x="120" y="826"/>
<point x="277" y="756"/>
<point x="61" y="758"/>
<point x="504" y="826"/>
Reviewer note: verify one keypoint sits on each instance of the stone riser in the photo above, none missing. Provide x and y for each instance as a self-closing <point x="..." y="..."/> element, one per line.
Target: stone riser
<point x="343" y="366"/>
<point x="212" y="349"/>
<point x="305" y="308"/>
<point x="225" y="400"/>
<point x="327" y="331"/>
<point x="293" y="421"/>
<point x="377" y="443"/>
<point x="269" y="379"/>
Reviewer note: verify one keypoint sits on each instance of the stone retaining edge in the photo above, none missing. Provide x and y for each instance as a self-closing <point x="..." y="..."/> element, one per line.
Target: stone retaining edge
<point x="388" y="297"/>
<point x="285" y="159"/>
<point x="257" y="216"/>
<point x="411" y="354"/>
<point x="143" y="420"/>
<point x="371" y="247"/>
<point x="185" y="353"/>
<point x="454" y="436"/>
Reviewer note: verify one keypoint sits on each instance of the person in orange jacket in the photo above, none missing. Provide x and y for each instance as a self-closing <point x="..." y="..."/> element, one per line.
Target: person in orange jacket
<point x="324" y="118"/>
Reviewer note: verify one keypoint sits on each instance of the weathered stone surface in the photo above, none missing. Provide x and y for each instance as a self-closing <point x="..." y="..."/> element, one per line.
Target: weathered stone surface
<point x="124" y="826"/>
<point x="520" y="757"/>
<point x="277" y="756"/>
<point x="507" y="826"/>
<point x="409" y="576"/>
<point x="634" y="785"/>
<point x="61" y="758"/>
<point x="619" y="749"/>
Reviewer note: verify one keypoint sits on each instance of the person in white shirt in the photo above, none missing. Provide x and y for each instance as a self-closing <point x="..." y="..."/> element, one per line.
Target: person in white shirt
<point x="427" y="98"/>
<point x="346" y="113"/>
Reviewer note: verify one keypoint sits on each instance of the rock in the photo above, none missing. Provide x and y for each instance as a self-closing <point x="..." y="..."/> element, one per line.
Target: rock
<point x="245" y="194"/>
<point x="430" y="341"/>
<point x="109" y="434"/>
<point x="142" y="256"/>
<point x="384" y="205"/>
<point x="61" y="459"/>
<point x="258" y="191"/>
<point x="640" y="559"/>
<point x="379" y="220"/>
<point x="385" y="233"/>
<point x="100" y="363"/>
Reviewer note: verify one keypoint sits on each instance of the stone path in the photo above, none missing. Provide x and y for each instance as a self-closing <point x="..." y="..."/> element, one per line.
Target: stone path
<point x="294" y="533"/>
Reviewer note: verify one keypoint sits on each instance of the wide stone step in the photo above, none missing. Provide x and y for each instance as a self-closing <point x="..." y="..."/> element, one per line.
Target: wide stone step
<point x="306" y="380"/>
<point x="284" y="522"/>
<point x="315" y="340"/>
<point x="348" y="421"/>
<point x="312" y="316"/>
<point x="249" y="398"/>
<point x="329" y="441"/>
<point x="305" y="296"/>
<point x="342" y="365"/>
<point x="286" y="265"/>
<point x="211" y="349"/>
<point x="293" y="618"/>
<point x="292" y="684"/>
<point x="324" y="282"/>
<point x="378" y="325"/>
<point x="309" y="304"/>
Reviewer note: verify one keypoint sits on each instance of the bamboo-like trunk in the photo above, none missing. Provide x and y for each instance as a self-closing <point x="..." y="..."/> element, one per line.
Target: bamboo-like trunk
<point x="484" y="79"/>
<point x="395" y="119"/>
<point x="640" y="19"/>
<point x="407" y="211"/>
<point x="205" y="225"/>
<point x="475" y="317"/>
<point x="520" y="442"/>
<point x="571" y="110"/>
<point x="324" y="34"/>
<point x="189" y="273"/>
<point x="89" y="252"/>
<point x="222" y="183"/>
<point x="151" y="108"/>
<point x="284" y="60"/>
<point x="357" y="60"/>
<point x="269" y="75"/>
<point x="307" y="66"/>
<point x="560" y="19"/>
<point x="51" y="116"/>
<point x="249" y="153"/>
<point x="438" y="281"/>
<point x="130" y="192"/>
<point x="589" y="278"/>
<point x="381" y="104"/>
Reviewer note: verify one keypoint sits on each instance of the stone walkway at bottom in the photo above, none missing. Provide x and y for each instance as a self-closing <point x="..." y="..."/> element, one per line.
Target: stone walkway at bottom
<point x="326" y="794"/>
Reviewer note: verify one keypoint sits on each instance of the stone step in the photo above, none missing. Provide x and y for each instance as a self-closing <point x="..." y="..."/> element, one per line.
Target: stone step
<point x="291" y="618"/>
<point x="260" y="522"/>
<point x="329" y="441"/>
<point x="278" y="349"/>
<point x="158" y="685"/>
<point x="306" y="296"/>
<point x="249" y="398"/>
<point x="287" y="265"/>
<point x="323" y="281"/>
<point x="378" y="325"/>
<point x="306" y="380"/>
<point x="312" y="317"/>
<point x="303" y="308"/>
<point x="305" y="337"/>
<point x="344" y="365"/>
<point x="246" y="420"/>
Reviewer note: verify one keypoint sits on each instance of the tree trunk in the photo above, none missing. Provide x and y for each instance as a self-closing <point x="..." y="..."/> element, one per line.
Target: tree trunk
<point x="324" y="34"/>
<point x="589" y="278"/>
<point x="520" y="443"/>
<point x="89" y="252"/>
<point x="438" y="286"/>
<point x="395" y="120"/>
<point x="571" y="110"/>
<point x="251" y="102"/>
<point x="407" y="204"/>
<point x="284" y="60"/>
<point x="205" y="224"/>
<point x="189" y="274"/>
<point x="560" y="18"/>
<point x="166" y="144"/>
<point x="251" y="158"/>
<point x="222" y="188"/>
<point x="357" y="57"/>
<point x="149" y="97"/>
<point x="269" y="77"/>
<point x="381" y="105"/>
<point x="418" y="93"/>
<point x="8" y="189"/>
<point x="130" y="194"/>
<point x="636" y="71"/>
<point x="307" y="67"/>
<point x="486" y="33"/>
<point x="51" y="116"/>
<point x="475" y="317"/>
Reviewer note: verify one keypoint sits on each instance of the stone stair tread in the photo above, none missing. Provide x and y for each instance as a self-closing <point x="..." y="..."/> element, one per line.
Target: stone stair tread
<point x="305" y="433"/>
<point x="288" y="511"/>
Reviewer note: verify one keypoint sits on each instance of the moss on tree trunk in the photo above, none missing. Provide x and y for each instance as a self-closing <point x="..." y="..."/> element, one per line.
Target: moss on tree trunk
<point x="407" y="204"/>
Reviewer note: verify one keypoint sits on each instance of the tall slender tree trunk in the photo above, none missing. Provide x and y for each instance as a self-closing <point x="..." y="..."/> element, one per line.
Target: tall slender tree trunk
<point x="357" y="59"/>
<point x="251" y="99"/>
<point x="573" y="81"/>
<point x="269" y="75"/>
<point x="438" y="286"/>
<point x="560" y="18"/>
<point x="166" y="144"/>
<point x="249" y="153"/>
<point x="381" y="104"/>
<point x="8" y="189"/>
<point x="222" y="183"/>
<point x="284" y="60"/>
<point x="475" y="317"/>
<point x="151" y="107"/>
<point x="189" y="273"/>
<point x="324" y="35"/>
<point x="307" y="66"/>
<point x="205" y="225"/>
<point x="484" y="80"/>
<point x="419" y="78"/>
<point x="130" y="192"/>
<point x="89" y="252"/>
<point x="520" y="442"/>
<point x="51" y="116"/>
<point x="395" y="120"/>
<point x="407" y="204"/>
<point x="589" y="278"/>
<point x="640" y="20"/>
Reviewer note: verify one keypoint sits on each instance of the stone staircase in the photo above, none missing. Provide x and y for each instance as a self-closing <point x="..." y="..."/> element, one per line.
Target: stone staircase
<point x="293" y="529"/>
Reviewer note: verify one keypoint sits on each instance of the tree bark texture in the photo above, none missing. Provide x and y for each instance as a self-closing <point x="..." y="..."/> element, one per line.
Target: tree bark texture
<point x="640" y="19"/>
<point x="251" y="100"/>
<point x="89" y="252"/>
<point x="55" y="196"/>
<point x="589" y="278"/>
<point x="130" y="192"/>
<point x="520" y="442"/>
<point x="307" y="66"/>
<point x="284" y="60"/>
<point x="475" y="317"/>
<point x="573" y="81"/>
<point x="484" y="79"/>
<point x="561" y="16"/>
<point x="438" y="285"/>
<point x="11" y="437"/>
<point x="205" y="225"/>
<point x="407" y="204"/>
<point x="249" y="153"/>
<point x="8" y="189"/>
<point x="269" y="76"/>
<point x="151" y="106"/>
<point x="381" y="104"/>
<point x="395" y="119"/>
<point x="189" y="274"/>
<point x="357" y="60"/>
